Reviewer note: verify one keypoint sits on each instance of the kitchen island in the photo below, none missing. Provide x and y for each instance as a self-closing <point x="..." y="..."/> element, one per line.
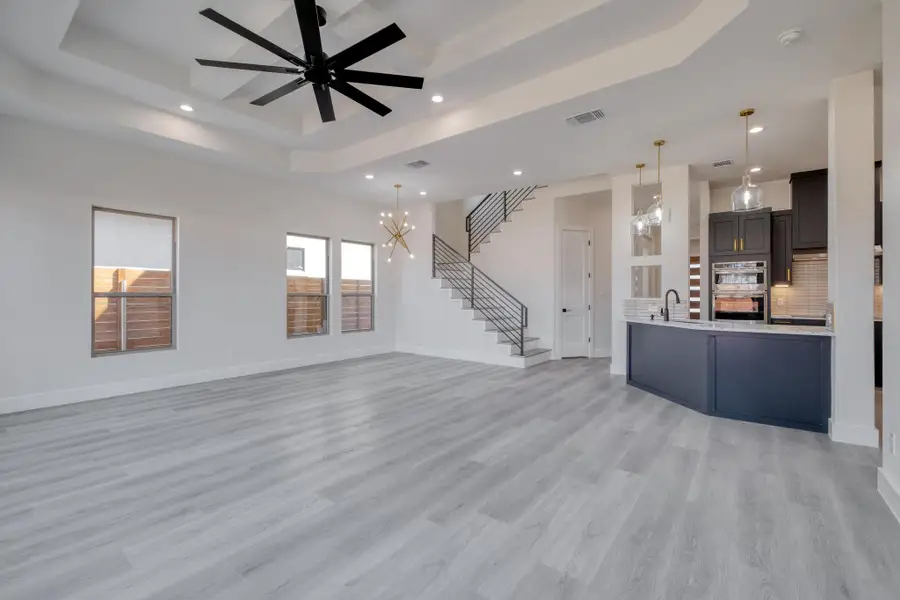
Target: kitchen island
<point x="773" y="374"/>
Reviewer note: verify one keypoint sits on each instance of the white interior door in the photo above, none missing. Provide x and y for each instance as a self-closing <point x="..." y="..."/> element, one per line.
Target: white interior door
<point x="575" y="321"/>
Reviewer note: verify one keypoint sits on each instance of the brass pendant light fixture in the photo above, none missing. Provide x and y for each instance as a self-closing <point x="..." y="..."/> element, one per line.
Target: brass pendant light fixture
<point x="397" y="229"/>
<point x="655" y="212"/>
<point x="640" y="224"/>
<point x="748" y="196"/>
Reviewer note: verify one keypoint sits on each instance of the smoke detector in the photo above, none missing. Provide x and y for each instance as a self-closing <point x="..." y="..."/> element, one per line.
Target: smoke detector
<point x="790" y="36"/>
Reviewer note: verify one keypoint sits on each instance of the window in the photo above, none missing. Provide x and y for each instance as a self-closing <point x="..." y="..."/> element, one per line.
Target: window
<point x="133" y="305"/>
<point x="307" y="285"/>
<point x="357" y="286"/>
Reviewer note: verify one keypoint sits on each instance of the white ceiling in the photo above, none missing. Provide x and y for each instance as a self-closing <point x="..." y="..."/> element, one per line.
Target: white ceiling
<point x="511" y="72"/>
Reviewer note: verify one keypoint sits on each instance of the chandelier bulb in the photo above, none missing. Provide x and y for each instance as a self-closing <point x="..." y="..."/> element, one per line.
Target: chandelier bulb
<point x="412" y="255"/>
<point x="381" y="222"/>
<point x="389" y="260"/>
<point x="413" y="226"/>
<point x="382" y="214"/>
<point x="391" y="215"/>
<point x="406" y="213"/>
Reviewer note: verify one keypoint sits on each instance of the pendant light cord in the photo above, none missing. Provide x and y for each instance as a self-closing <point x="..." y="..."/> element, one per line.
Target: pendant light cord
<point x="747" y="145"/>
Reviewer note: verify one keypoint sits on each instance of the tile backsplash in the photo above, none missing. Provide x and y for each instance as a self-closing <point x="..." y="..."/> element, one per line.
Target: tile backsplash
<point x="641" y="307"/>
<point x="808" y="295"/>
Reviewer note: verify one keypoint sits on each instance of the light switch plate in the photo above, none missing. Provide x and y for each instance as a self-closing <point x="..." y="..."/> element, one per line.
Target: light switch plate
<point x="893" y="443"/>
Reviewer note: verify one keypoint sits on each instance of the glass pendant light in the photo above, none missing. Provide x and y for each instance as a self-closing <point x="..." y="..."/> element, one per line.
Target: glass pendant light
<point x="640" y="224"/>
<point x="749" y="196"/>
<point x="655" y="212"/>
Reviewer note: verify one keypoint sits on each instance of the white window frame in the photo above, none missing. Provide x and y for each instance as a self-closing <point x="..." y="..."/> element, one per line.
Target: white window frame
<point x="125" y="295"/>
<point x="358" y="295"/>
<point x="326" y="317"/>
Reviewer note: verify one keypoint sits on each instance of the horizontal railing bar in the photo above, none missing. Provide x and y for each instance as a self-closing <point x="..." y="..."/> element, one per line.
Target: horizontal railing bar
<point x="134" y="294"/>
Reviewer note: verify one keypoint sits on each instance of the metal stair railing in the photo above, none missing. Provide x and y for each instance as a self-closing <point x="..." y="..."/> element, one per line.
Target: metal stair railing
<point x="500" y="308"/>
<point x="491" y="211"/>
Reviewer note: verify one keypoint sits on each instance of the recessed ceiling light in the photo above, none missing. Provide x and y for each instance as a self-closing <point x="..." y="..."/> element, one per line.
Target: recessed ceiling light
<point x="517" y="173"/>
<point x="756" y="129"/>
<point x="423" y="193"/>
<point x="756" y="169"/>
<point x="370" y="176"/>
<point x="186" y="108"/>
<point x="437" y="98"/>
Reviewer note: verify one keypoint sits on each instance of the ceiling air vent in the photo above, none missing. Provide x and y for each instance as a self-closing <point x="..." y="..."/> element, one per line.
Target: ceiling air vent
<point x="723" y="163"/>
<point x="585" y="118"/>
<point x="418" y="164"/>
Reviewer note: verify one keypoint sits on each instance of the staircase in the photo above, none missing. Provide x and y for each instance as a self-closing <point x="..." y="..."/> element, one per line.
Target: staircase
<point x="500" y="311"/>
<point x="494" y="210"/>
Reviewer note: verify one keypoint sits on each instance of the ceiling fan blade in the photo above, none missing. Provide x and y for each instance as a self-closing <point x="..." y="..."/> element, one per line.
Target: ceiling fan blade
<point x="282" y="91"/>
<point x="388" y="79"/>
<point x="257" y="39"/>
<point x="308" y="17"/>
<point x="323" y="99"/>
<point x="361" y="97"/>
<point x="376" y="42"/>
<point x="224" y="64"/>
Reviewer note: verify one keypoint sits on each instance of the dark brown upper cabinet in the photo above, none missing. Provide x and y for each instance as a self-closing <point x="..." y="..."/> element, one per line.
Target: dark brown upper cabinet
<point x="756" y="232"/>
<point x="809" y="209"/>
<point x="735" y="233"/>
<point x="723" y="234"/>
<point x="782" y="247"/>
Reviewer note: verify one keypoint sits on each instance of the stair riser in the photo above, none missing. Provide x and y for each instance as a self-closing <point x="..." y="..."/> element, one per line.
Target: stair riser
<point x="532" y="345"/>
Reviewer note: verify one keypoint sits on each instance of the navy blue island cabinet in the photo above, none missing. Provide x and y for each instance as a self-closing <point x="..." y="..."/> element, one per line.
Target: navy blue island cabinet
<point x="761" y="375"/>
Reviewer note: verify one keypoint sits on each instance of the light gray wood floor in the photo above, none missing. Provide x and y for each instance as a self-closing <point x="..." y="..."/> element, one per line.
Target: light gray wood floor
<point x="410" y="477"/>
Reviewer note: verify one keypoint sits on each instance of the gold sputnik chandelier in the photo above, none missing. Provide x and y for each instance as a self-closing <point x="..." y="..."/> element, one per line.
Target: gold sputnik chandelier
<point x="397" y="229"/>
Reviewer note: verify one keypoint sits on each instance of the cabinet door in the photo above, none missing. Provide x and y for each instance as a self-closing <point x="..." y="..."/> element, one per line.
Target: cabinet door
<point x="782" y="249"/>
<point x="723" y="234"/>
<point x="755" y="233"/>
<point x="809" y="198"/>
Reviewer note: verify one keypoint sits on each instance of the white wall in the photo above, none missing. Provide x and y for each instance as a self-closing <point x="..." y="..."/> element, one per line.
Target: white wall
<point x="522" y="257"/>
<point x="675" y="257"/>
<point x="231" y="267"/>
<point x="776" y="194"/>
<point x="889" y="475"/>
<point x="594" y="211"/>
<point x="704" y="210"/>
<point x="851" y="223"/>
<point x="429" y="321"/>
<point x="450" y="224"/>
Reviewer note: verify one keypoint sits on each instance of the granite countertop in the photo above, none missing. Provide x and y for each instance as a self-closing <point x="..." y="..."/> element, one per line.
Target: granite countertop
<point x="736" y="327"/>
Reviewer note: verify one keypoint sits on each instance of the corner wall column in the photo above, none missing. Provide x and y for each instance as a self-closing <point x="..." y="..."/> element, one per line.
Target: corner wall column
<point x="851" y="239"/>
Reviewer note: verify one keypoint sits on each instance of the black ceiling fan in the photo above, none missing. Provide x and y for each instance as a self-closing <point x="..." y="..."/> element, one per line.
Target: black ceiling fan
<point x="322" y="71"/>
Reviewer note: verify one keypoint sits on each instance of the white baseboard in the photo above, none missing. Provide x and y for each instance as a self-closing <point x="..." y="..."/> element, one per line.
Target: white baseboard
<point x="851" y="433"/>
<point x="890" y="491"/>
<point x="485" y="358"/>
<point x="14" y="404"/>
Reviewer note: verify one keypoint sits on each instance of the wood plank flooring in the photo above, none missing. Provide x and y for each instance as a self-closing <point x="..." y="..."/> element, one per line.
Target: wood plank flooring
<point x="402" y="476"/>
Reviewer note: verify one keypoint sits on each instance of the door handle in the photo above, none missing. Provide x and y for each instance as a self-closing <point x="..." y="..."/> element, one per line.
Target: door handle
<point x="789" y="274"/>
<point x="734" y="244"/>
<point x="742" y="244"/>
<point x="565" y="310"/>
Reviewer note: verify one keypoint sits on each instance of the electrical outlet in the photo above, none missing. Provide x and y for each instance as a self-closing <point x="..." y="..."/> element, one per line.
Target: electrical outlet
<point x="893" y="443"/>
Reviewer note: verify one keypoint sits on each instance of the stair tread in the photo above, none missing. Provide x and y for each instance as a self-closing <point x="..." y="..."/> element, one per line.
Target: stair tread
<point x="509" y="342"/>
<point x="534" y="352"/>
